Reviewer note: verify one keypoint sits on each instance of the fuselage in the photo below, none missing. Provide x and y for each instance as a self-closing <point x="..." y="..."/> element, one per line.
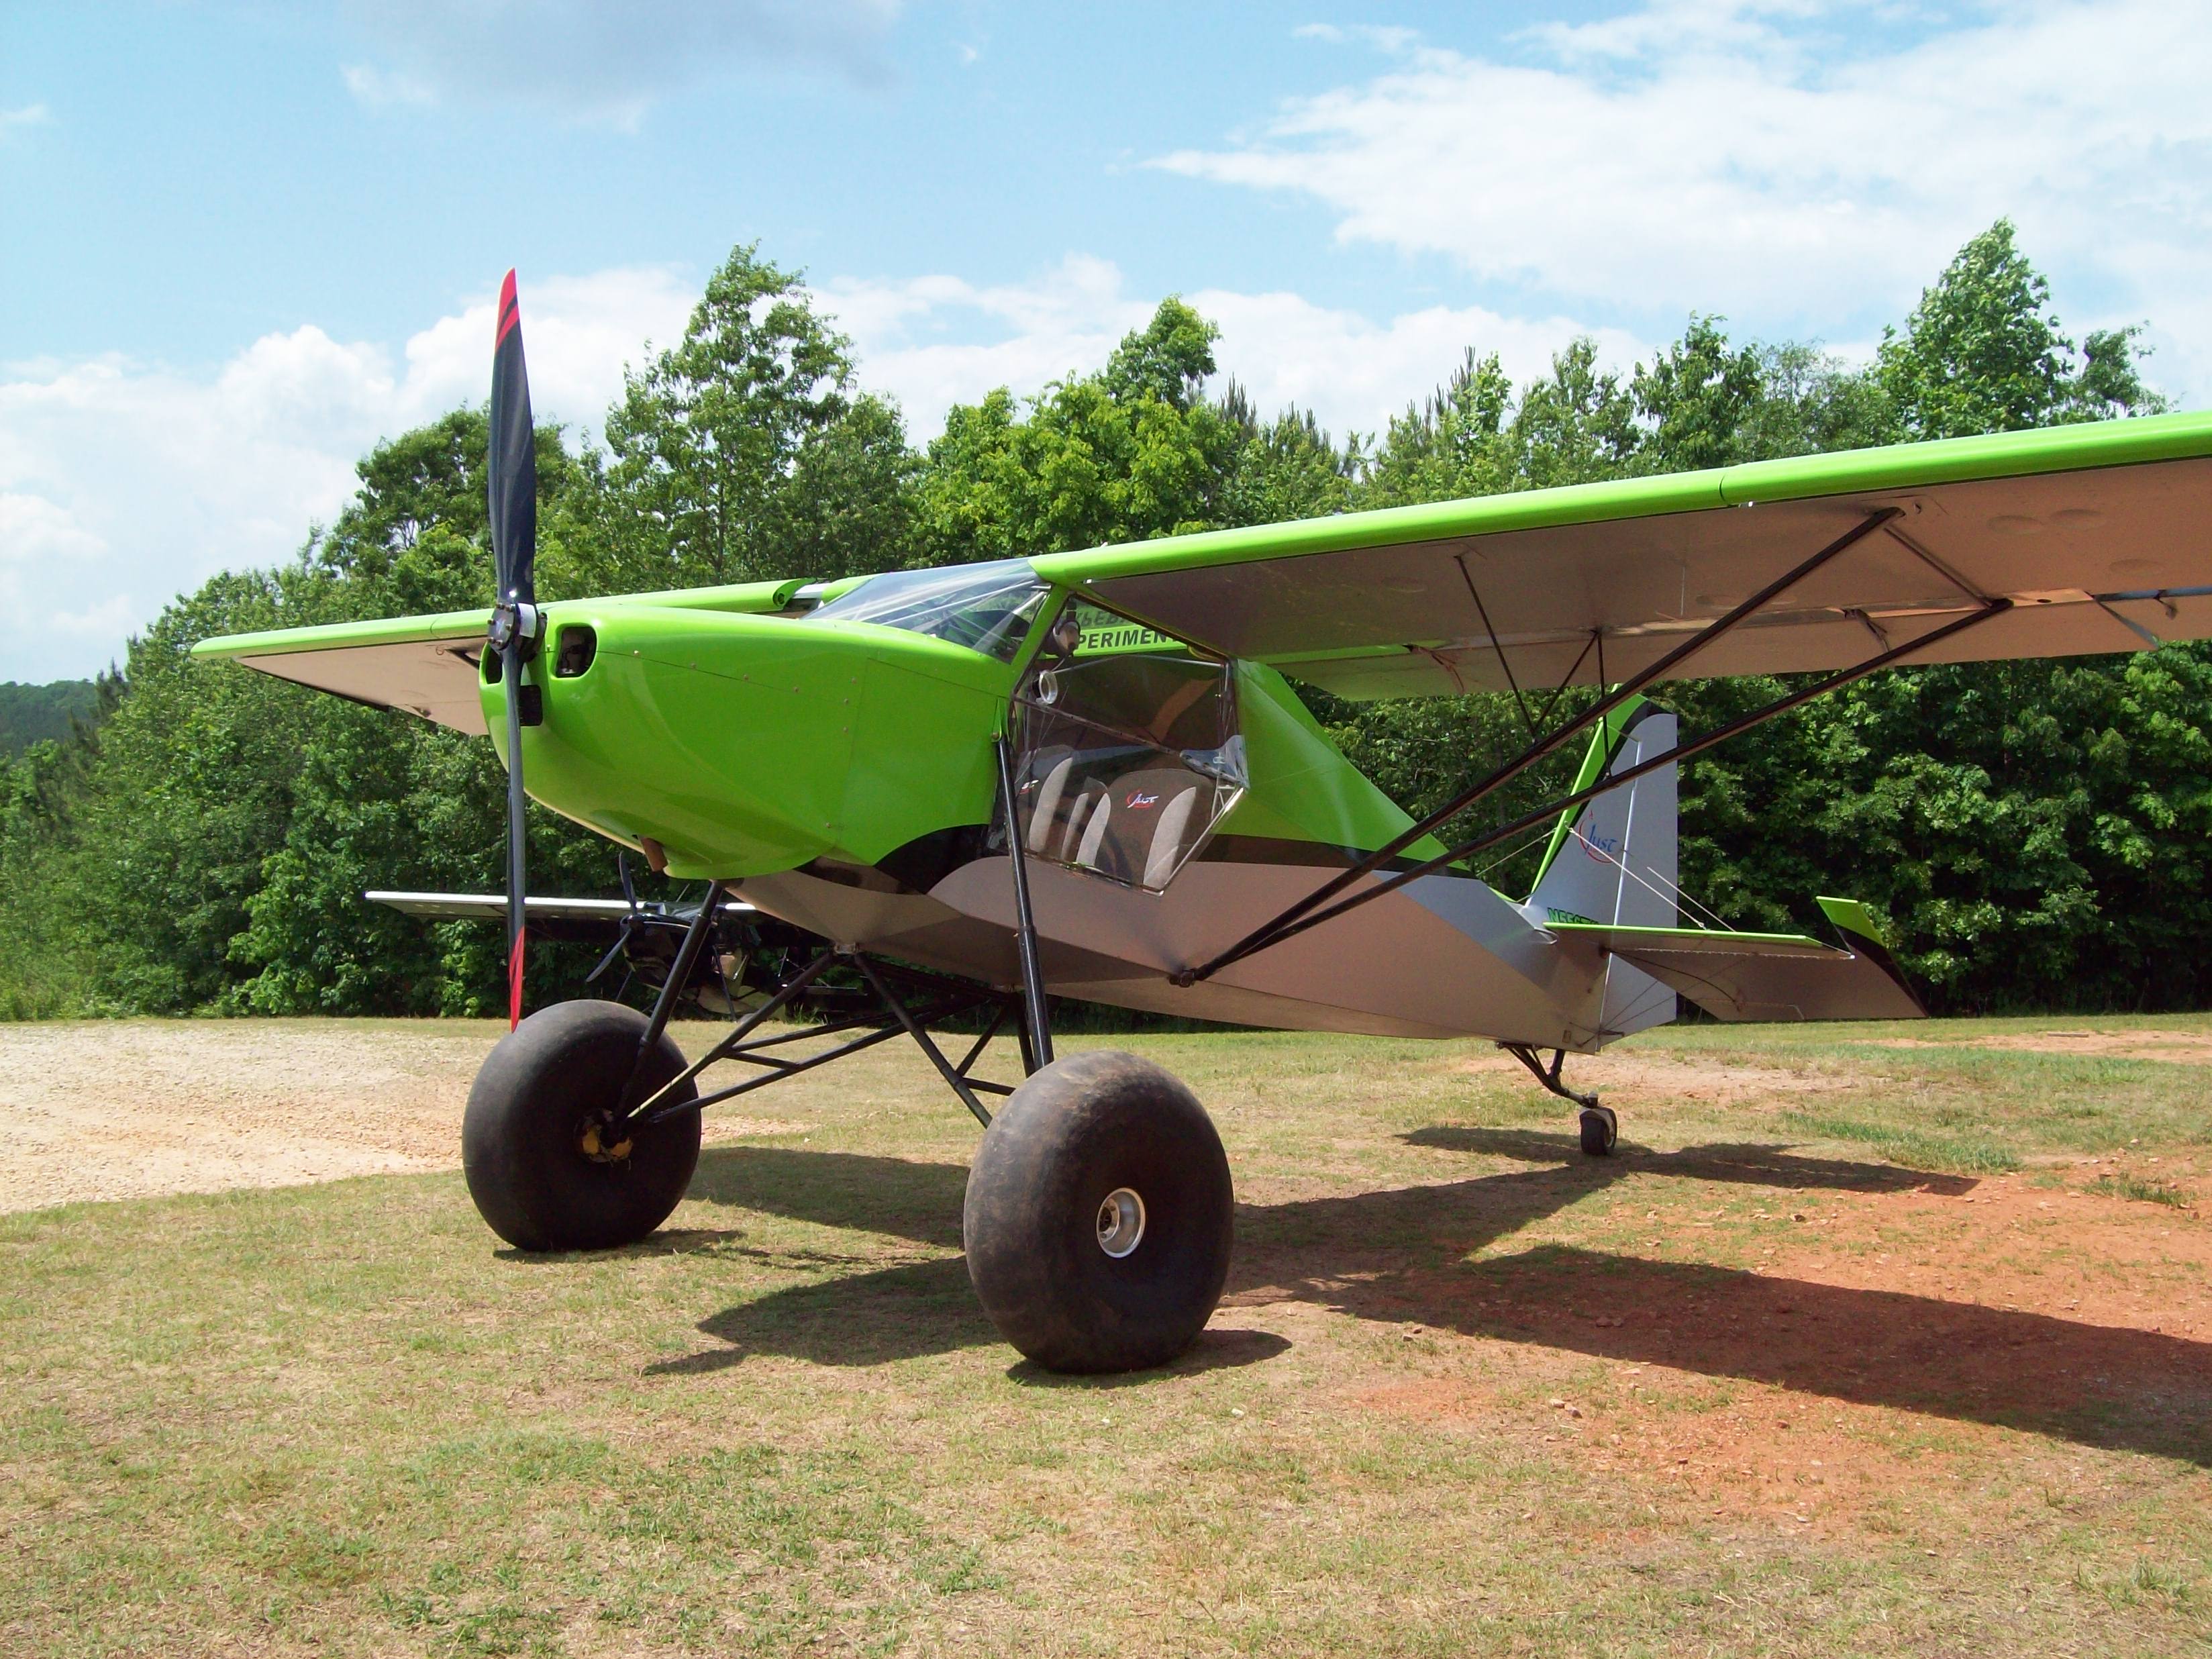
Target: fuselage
<point x="838" y="763"/>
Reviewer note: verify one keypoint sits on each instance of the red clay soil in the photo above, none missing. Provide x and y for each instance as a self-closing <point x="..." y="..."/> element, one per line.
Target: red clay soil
<point x="1992" y="1305"/>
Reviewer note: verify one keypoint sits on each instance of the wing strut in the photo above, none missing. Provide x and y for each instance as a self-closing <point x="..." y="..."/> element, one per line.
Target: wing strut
<point x="1316" y="907"/>
<point x="1504" y="661"/>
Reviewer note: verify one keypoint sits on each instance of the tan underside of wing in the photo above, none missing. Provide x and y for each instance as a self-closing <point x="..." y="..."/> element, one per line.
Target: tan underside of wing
<point x="435" y="678"/>
<point x="2086" y="557"/>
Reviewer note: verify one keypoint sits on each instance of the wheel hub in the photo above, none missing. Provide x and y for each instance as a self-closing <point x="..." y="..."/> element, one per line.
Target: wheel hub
<point x="1120" y="1222"/>
<point x="596" y="1146"/>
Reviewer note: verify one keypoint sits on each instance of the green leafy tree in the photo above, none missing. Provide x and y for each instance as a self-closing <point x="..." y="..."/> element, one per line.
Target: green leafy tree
<point x="1476" y="437"/>
<point x="1454" y="445"/>
<point x="40" y="713"/>
<point x="1812" y="402"/>
<point x="1285" y="468"/>
<point x="1701" y="397"/>
<point x="47" y="967"/>
<point x="744" y="436"/>
<point x="1133" y="451"/>
<point x="190" y="791"/>
<point x="850" y="505"/>
<point x="1983" y="352"/>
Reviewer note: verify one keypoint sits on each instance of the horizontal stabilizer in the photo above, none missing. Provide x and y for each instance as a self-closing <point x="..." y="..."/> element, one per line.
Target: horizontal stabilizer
<point x="492" y="907"/>
<point x="1767" y="976"/>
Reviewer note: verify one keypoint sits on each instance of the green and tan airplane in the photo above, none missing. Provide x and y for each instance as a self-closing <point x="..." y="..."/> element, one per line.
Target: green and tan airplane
<point x="1086" y="774"/>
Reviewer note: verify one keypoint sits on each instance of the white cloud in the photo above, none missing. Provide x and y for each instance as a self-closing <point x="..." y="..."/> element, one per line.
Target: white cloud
<point x="1356" y="374"/>
<point x="377" y="88"/>
<point x="123" y="484"/>
<point x="937" y="340"/>
<point x="99" y="621"/>
<point x="934" y="341"/>
<point x="36" y="533"/>
<point x="29" y="115"/>
<point x="604" y="59"/>
<point x="1785" y="162"/>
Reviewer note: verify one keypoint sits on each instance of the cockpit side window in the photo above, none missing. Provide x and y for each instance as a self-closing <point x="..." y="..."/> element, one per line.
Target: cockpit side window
<point x="986" y="607"/>
<point x="1129" y="748"/>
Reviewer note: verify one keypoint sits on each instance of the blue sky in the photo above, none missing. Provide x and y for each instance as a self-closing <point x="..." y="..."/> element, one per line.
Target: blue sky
<point x="239" y="243"/>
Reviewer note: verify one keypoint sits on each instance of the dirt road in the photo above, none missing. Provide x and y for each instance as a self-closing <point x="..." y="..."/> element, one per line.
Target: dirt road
<point x="133" y="1109"/>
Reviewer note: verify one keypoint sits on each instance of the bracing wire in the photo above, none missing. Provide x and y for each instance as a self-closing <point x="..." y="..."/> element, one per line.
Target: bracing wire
<point x="1674" y="893"/>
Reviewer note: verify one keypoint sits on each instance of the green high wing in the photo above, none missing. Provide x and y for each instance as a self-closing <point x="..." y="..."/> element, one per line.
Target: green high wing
<point x="2087" y="538"/>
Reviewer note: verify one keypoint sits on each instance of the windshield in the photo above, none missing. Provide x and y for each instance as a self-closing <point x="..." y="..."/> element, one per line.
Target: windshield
<point x="985" y="607"/>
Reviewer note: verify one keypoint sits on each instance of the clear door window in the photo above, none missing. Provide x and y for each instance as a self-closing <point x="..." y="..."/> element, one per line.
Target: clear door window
<point x="1129" y="750"/>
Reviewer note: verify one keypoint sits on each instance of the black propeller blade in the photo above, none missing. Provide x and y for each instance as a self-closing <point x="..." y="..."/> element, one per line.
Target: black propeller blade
<point x="512" y="470"/>
<point x="514" y="459"/>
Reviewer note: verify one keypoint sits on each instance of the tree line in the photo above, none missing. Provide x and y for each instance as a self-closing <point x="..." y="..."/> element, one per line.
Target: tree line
<point x="36" y="713"/>
<point x="2033" y="831"/>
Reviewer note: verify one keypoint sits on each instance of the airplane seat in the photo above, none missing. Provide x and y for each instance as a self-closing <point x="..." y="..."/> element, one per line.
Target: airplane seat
<point x="1168" y="840"/>
<point x="1136" y="831"/>
<point x="1048" y="797"/>
<point x="1094" y="831"/>
<point x="1071" y="839"/>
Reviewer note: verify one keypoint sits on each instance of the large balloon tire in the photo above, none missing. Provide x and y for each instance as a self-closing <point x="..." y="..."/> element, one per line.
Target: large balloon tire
<point x="542" y="1177"/>
<point x="1080" y="1136"/>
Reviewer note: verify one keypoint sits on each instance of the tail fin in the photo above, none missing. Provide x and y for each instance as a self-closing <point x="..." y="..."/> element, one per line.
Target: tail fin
<point x="1611" y="861"/>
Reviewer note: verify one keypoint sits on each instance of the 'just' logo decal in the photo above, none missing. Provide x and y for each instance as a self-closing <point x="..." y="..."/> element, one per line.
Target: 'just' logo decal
<point x="1139" y="799"/>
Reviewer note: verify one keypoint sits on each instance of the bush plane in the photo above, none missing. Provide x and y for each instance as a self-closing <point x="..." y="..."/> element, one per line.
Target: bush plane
<point x="1086" y="775"/>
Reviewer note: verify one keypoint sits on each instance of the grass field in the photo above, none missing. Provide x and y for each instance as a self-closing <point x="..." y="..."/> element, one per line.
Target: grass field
<point x="1871" y="1339"/>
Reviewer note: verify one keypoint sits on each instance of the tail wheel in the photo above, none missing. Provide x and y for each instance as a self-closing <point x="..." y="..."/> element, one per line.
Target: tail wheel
<point x="1099" y="1215"/>
<point x="547" y="1169"/>
<point x="1600" y="1129"/>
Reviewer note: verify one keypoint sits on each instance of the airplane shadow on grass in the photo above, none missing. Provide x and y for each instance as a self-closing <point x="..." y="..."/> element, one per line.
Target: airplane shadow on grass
<point x="1400" y="1256"/>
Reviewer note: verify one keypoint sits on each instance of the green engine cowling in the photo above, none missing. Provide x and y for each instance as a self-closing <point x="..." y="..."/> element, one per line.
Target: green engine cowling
<point x="730" y="740"/>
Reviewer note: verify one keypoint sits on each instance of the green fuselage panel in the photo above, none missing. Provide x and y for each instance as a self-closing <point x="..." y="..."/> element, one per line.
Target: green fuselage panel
<point x="747" y="744"/>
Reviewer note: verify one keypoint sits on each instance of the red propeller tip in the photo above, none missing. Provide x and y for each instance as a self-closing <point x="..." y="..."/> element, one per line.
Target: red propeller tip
<point x="510" y="305"/>
<point x="514" y="979"/>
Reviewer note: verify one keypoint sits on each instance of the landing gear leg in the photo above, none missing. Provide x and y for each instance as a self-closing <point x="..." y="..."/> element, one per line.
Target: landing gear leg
<point x="1037" y="1013"/>
<point x="1099" y="1211"/>
<point x="1600" y="1127"/>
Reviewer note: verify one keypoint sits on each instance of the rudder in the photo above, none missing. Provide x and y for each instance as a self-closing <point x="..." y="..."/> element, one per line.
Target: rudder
<point x="1613" y="860"/>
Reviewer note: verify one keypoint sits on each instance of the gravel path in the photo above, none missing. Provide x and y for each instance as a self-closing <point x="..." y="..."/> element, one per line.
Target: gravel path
<point x="138" y="1108"/>
<point x="130" y="1109"/>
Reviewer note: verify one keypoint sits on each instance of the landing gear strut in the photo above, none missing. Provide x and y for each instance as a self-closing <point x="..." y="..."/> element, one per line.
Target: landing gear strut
<point x="582" y="1128"/>
<point x="1099" y="1211"/>
<point x="1600" y="1126"/>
